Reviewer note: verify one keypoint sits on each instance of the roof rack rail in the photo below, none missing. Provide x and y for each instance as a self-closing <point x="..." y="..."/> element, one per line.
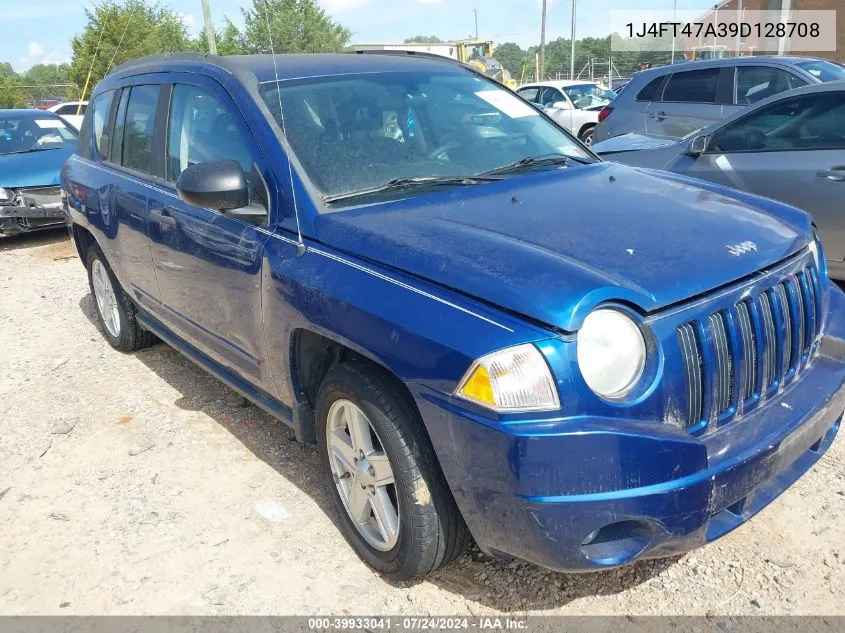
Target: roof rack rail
<point x="405" y="53"/>
<point x="161" y="57"/>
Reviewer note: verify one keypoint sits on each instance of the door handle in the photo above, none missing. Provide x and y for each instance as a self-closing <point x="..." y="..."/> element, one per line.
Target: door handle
<point x="164" y="218"/>
<point x="835" y="174"/>
<point x="659" y="116"/>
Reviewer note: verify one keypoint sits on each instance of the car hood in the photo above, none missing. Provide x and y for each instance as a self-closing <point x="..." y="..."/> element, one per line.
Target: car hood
<point x="33" y="169"/>
<point x="631" y="142"/>
<point x="552" y="245"/>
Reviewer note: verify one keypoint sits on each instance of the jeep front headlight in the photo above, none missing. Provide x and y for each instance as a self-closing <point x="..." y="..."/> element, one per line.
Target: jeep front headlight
<point x="511" y="380"/>
<point x="611" y="352"/>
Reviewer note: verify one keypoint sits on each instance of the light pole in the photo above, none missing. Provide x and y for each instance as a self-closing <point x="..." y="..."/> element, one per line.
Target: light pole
<point x="209" y="27"/>
<point x="572" y="51"/>
<point x="542" y="63"/>
<point x="674" y="19"/>
<point x="476" y="22"/>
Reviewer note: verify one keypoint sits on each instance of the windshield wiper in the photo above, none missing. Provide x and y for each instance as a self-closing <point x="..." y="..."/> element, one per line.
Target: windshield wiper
<point x="529" y="162"/>
<point x="407" y="183"/>
<point x="32" y="149"/>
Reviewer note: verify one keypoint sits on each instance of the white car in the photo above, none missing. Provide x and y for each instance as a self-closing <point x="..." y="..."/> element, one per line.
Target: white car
<point x="574" y="105"/>
<point x="71" y="111"/>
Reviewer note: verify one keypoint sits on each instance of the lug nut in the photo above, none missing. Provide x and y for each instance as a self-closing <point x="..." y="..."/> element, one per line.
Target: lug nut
<point x="371" y="471"/>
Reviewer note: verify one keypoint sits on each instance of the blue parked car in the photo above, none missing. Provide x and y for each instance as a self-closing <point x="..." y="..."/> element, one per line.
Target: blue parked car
<point x="33" y="146"/>
<point x="487" y="330"/>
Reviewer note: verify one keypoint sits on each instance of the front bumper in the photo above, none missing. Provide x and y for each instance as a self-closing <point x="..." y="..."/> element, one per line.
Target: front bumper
<point x="32" y="210"/>
<point x="587" y="494"/>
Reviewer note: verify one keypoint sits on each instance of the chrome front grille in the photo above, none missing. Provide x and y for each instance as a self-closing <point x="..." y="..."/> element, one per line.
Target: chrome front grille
<point x="737" y="356"/>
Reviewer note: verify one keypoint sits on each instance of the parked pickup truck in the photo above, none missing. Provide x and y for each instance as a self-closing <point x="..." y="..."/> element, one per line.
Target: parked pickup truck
<point x="487" y="330"/>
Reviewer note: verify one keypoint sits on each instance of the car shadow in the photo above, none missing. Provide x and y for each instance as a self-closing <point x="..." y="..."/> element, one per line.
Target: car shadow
<point x="506" y="586"/>
<point x="33" y="240"/>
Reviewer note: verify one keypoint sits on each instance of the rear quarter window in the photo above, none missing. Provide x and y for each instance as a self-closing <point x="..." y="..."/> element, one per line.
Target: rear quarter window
<point x="95" y="122"/>
<point x="651" y="90"/>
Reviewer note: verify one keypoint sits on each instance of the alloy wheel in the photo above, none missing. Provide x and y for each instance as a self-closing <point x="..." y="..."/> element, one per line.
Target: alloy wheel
<point x="106" y="298"/>
<point x="363" y="474"/>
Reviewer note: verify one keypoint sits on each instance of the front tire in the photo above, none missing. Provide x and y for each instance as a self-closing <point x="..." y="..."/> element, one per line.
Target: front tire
<point x="393" y="504"/>
<point x="115" y="310"/>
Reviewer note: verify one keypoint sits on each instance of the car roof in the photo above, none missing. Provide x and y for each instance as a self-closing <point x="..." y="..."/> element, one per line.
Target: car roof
<point x="726" y="61"/>
<point x="293" y="66"/>
<point x="27" y="113"/>
<point x="559" y="83"/>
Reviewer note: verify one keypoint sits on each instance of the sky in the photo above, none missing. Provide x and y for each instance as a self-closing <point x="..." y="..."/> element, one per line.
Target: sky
<point x="39" y="31"/>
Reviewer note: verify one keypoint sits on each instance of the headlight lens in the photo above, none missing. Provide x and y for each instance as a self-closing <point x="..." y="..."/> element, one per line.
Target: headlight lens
<point x="4" y="194"/>
<point x="511" y="380"/>
<point x="611" y="352"/>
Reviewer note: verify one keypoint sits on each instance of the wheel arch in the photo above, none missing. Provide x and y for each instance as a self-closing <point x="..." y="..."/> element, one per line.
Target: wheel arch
<point x="585" y="127"/>
<point x="82" y="239"/>
<point x="312" y="356"/>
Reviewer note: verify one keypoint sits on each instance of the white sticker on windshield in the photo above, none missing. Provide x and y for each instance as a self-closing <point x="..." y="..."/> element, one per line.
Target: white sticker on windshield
<point x="505" y="102"/>
<point x="47" y="124"/>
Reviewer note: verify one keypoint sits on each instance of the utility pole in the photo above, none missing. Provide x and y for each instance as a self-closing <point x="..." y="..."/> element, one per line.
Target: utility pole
<point x="542" y="63"/>
<point x="475" y="11"/>
<point x="209" y="28"/>
<point x="572" y="51"/>
<point x="675" y="20"/>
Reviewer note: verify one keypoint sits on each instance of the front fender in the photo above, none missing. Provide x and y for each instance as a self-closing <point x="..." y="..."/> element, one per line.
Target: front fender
<point x="419" y="332"/>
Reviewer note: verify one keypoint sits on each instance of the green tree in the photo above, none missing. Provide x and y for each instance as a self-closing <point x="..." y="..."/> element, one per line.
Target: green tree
<point x="11" y="96"/>
<point x="423" y="39"/>
<point x="120" y="30"/>
<point x="6" y="71"/>
<point x="230" y="41"/>
<point x="51" y="76"/>
<point x="513" y="58"/>
<point x="297" y="26"/>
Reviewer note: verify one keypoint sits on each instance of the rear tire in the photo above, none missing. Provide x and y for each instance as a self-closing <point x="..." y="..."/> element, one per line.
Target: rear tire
<point x="587" y="136"/>
<point x="430" y="531"/>
<point x="115" y="310"/>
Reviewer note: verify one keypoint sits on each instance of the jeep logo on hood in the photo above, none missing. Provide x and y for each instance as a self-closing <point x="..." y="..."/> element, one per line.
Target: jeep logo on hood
<point x="742" y="248"/>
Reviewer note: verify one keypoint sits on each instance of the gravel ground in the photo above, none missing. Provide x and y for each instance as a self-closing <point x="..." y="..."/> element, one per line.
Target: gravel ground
<point x="138" y="484"/>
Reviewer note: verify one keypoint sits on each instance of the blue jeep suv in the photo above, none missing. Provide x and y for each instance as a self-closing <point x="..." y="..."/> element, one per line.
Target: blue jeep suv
<point x="487" y="330"/>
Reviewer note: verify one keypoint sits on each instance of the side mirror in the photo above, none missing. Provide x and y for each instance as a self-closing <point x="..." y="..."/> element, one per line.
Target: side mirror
<point x="216" y="184"/>
<point x="561" y="105"/>
<point x="697" y="146"/>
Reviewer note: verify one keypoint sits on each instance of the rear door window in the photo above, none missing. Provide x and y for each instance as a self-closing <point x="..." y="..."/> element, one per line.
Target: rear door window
<point x="138" y="127"/>
<point x="755" y="83"/>
<point x="99" y="120"/>
<point x="529" y="94"/>
<point x="694" y="86"/>
<point x="550" y="96"/>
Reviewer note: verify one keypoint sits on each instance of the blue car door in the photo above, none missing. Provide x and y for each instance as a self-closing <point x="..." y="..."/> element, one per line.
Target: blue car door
<point x="109" y="186"/>
<point x="209" y="264"/>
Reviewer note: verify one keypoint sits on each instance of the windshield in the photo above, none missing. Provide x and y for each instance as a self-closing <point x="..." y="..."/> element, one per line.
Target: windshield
<point x="34" y="133"/>
<point x="589" y="96"/>
<point x="823" y="70"/>
<point x="363" y="131"/>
